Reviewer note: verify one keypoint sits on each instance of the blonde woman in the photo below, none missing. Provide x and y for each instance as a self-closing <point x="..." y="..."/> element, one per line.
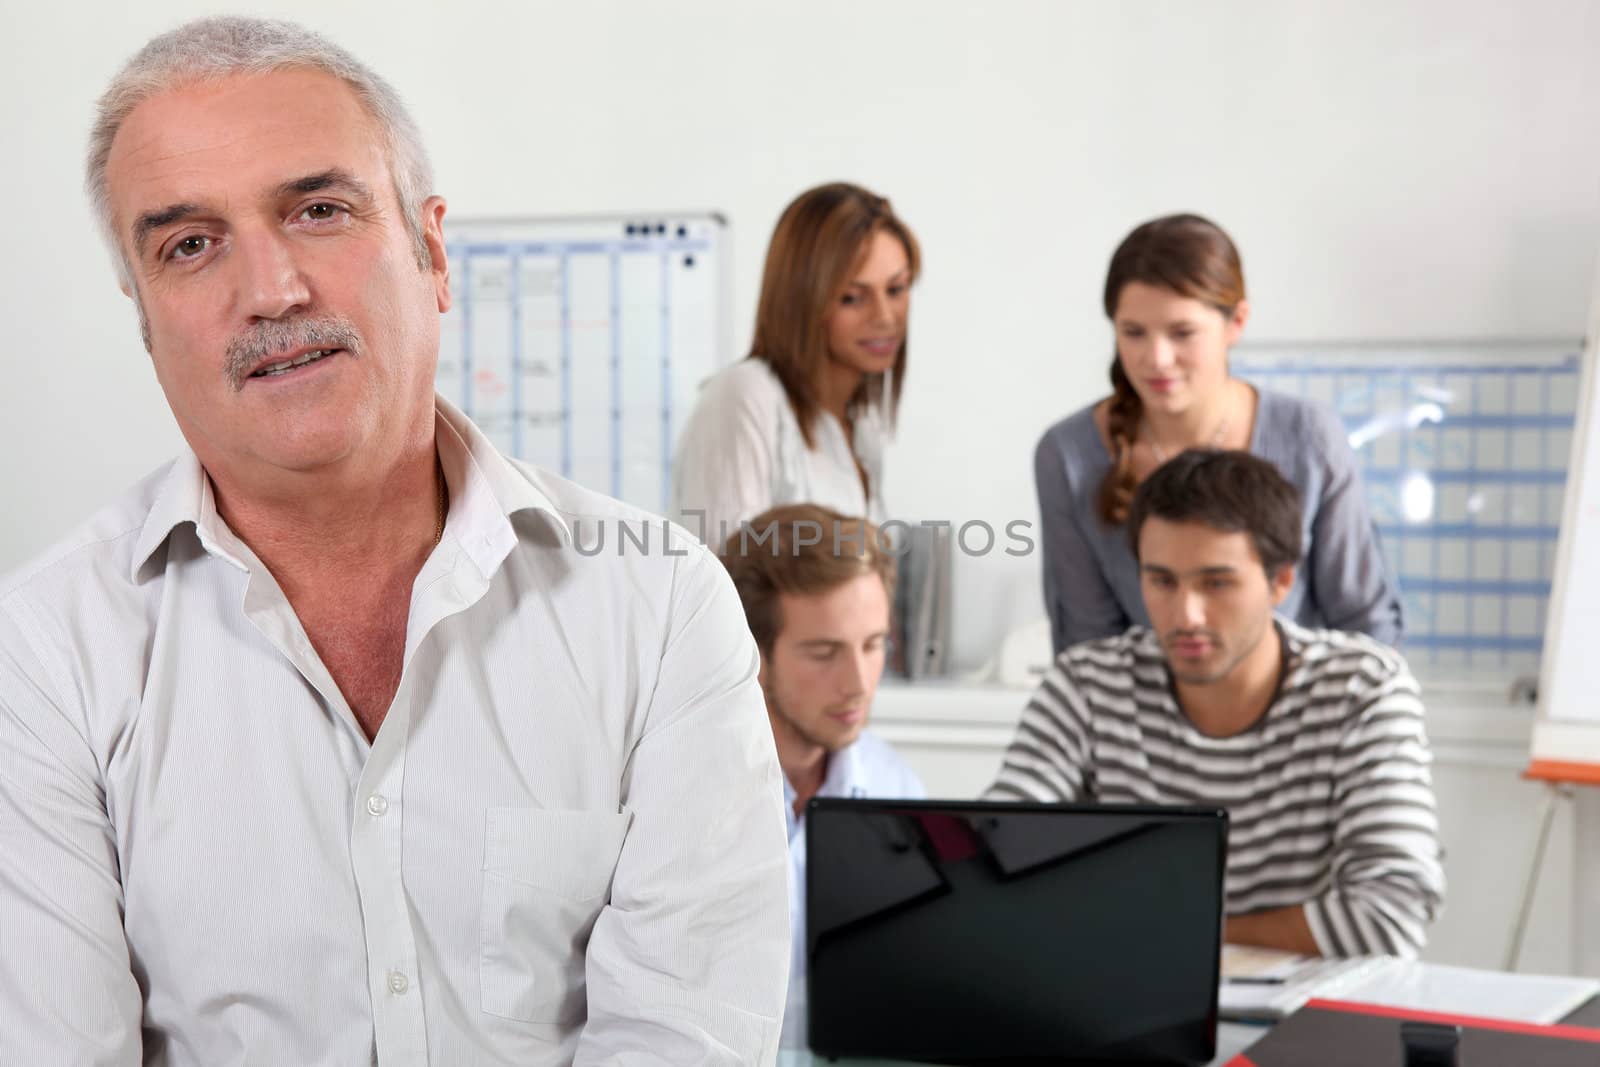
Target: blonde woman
<point x="805" y="417"/>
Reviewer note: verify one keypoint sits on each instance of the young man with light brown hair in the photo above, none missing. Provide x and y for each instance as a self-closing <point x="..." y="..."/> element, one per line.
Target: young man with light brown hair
<point x="817" y="588"/>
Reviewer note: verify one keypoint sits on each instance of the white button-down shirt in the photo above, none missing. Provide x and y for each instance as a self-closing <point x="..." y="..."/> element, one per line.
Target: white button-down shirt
<point x="742" y="452"/>
<point x="564" y="843"/>
<point x="869" y="767"/>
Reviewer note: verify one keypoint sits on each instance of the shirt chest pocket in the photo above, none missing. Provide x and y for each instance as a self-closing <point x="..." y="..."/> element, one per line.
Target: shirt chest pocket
<point x="546" y="875"/>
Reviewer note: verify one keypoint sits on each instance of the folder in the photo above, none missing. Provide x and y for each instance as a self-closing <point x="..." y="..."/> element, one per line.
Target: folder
<point x="1332" y="1033"/>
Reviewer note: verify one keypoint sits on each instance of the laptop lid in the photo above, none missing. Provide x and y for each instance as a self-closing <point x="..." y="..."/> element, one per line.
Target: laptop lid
<point x="1001" y="932"/>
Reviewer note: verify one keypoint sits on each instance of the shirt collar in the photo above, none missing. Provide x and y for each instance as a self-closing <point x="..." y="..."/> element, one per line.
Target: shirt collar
<point x="843" y="778"/>
<point x="486" y="489"/>
<point x="185" y="496"/>
<point x="844" y="774"/>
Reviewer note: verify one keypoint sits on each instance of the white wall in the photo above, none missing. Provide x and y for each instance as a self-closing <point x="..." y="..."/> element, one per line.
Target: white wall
<point x="1413" y="170"/>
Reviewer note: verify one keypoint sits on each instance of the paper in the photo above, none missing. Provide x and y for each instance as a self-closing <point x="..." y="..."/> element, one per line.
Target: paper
<point x="1262" y="985"/>
<point x="1524" y="998"/>
<point x="1249" y="961"/>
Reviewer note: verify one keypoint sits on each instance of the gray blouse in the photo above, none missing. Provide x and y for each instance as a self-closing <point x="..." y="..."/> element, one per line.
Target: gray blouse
<point x="1091" y="582"/>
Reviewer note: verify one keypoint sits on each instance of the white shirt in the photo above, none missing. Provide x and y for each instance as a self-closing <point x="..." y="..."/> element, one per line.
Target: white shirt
<point x="742" y="452"/>
<point x="563" y="845"/>
<point x="869" y="767"/>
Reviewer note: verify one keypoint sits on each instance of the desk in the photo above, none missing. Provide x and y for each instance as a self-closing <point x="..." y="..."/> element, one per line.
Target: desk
<point x="1232" y="1039"/>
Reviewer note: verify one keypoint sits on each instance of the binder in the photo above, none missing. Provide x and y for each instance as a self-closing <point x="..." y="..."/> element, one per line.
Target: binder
<point x="1332" y="1033"/>
<point x="922" y="609"/>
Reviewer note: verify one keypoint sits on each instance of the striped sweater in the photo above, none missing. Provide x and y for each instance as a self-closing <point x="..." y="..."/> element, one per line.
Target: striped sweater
<point x="1329" y="795"/>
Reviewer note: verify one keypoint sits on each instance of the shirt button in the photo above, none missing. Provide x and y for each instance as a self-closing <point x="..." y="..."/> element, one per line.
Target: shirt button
<point x="377" y="804"/>
<point x="398" y="983"/>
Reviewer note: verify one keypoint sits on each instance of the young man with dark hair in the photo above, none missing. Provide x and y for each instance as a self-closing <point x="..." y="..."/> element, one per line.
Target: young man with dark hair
<point x="816" y="588"/>
<point x="1312" y="739"/>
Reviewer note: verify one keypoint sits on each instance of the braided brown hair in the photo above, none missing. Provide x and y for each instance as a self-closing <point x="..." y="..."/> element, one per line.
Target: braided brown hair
<point x="1190" y="256"/>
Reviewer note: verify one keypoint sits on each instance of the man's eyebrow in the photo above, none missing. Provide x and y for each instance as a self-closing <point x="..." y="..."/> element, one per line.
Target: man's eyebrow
<point x="151" y="221"/>
<point x="835" y="642"/>
<point x="332" y="178"/>
<point x="1214" y="570"/>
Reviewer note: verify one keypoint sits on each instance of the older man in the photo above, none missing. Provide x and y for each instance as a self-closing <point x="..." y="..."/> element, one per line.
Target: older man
<point x="325" y="745"/>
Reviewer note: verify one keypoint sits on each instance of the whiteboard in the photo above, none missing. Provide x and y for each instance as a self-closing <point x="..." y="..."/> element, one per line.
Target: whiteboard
<point x="578" y="343"/>
<point x="1462" y="448"/>
<point x="1567" y="729"/>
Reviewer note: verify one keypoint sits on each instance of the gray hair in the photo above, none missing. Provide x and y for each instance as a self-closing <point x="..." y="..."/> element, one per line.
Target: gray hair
<point x="209" y="49"/>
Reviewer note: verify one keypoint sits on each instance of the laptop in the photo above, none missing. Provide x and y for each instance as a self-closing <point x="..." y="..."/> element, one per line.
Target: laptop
<point x="1001" y="933"/>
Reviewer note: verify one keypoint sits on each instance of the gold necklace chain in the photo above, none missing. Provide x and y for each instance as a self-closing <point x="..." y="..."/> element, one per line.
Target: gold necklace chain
<point x="1161" y="453"/>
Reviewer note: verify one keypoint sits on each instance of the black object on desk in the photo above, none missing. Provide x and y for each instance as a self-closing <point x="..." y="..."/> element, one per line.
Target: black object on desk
<point x="1010" y="933"/>
<point x="1429" y="1044"/>
<point x="1328" y="1033"/>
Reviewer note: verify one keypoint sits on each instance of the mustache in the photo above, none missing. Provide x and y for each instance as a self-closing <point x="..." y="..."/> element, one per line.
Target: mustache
<point x="273" y="336"/>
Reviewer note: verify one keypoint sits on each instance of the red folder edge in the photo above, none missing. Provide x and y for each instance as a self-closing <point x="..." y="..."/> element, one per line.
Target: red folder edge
<point x="1570" y="1033"/>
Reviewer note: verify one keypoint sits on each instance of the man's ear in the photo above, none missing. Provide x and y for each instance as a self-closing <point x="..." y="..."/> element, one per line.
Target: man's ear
<point x="438" y="262"/>
<point x="130" y="291"/>
<point x="1281" y="583"/>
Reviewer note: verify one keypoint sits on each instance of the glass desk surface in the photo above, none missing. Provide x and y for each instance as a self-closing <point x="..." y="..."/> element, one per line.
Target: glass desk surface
<point x="1232" y="1039"/>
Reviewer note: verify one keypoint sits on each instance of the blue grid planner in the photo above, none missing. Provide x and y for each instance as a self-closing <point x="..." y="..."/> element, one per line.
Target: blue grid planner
<point x="1463" y="449"/>
<point x="578" y="343"/>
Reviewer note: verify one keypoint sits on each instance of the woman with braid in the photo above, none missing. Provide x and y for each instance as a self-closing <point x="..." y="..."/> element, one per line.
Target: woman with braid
<point x="1176" y="300"/>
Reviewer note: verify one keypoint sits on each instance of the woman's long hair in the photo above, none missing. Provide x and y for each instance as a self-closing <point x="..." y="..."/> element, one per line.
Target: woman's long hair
<point x="818" y="242"/>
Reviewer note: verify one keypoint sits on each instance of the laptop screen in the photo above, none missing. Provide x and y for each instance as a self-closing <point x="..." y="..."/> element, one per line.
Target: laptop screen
<point x="987" y="932"/>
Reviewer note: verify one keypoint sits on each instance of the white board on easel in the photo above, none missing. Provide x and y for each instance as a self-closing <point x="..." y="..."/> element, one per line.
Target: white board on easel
<point x="1565" y="748"/>
<point x="1566" y="732"/>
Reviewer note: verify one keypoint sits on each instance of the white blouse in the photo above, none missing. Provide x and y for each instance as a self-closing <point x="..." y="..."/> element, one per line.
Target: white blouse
<point x="742" y="452"/>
